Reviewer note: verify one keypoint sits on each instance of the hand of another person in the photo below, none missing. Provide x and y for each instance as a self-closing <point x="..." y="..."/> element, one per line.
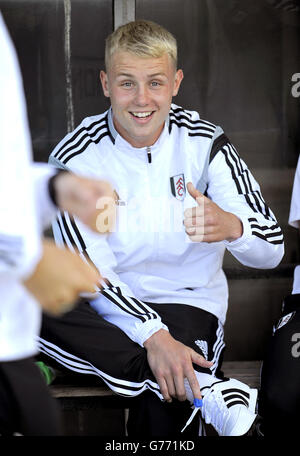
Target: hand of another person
<point x="208" y="222"/>
<point x="171" y="362"/>
<point x="91" y="200"/>
<point x="59" y="278"/>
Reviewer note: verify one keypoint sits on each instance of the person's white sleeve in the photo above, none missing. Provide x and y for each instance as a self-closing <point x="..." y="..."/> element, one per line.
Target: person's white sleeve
<point x="294" y="215"/>
<point x="232" y="186"/>
<point x="45" y="208"/>
<point x="116" y="303"/>
<point x="20" y="246"/>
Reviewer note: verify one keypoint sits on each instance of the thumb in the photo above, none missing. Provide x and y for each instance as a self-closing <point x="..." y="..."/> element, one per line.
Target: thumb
<point x="193" y="191"/>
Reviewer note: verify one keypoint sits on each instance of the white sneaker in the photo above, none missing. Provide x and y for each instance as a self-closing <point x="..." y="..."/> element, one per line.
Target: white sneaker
<point x="229" y="406"/>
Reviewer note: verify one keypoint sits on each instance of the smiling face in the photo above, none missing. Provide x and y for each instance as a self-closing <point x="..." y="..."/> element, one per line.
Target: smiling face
<point x="140" y="90"/>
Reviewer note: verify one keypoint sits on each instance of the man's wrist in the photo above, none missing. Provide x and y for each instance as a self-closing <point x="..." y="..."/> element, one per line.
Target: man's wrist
<point x="236" y="226"/>
<point x="52" y="187"/>
<point x="154" y="337"/>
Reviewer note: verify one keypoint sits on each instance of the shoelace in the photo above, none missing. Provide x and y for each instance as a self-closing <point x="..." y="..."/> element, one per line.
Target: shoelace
<point x="197" y="405"/>
<point x="214" y="410"/>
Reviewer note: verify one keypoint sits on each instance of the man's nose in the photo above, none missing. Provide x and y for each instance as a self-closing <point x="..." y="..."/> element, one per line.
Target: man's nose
<point x="142" y="95"/>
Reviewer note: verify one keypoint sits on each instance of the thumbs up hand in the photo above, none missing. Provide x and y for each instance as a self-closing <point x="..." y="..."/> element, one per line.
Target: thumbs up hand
<point x="207" y="222"/>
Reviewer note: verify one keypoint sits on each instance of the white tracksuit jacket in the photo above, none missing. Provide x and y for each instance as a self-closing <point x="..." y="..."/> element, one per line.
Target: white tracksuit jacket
<point x="25" y="208"/>
<point x="149" y="258"/>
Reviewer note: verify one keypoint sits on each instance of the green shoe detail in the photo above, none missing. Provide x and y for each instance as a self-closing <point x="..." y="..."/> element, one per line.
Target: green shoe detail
<point x="47" y="372"/>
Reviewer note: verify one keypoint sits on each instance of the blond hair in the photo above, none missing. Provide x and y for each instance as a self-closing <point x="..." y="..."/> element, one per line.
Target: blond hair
<point x="143" y="39"/>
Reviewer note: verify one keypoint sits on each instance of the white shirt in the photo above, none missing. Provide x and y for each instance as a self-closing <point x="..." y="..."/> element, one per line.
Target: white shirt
<point x="294" y="219"/>
<point x="25" y="207"/>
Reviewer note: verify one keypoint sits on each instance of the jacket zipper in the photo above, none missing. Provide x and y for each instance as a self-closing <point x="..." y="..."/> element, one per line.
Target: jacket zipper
<point x="149" y="154"/>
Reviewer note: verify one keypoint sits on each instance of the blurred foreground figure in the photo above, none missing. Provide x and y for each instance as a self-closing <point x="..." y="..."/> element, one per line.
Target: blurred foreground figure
<point x="34" y="273"/>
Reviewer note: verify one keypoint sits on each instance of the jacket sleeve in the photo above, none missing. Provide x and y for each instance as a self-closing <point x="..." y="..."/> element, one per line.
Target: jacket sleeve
<point x="116" y="302"/>
<point x="19" y="240"/>
<point x="232" y="186"/>
<point x="45" y="208"/>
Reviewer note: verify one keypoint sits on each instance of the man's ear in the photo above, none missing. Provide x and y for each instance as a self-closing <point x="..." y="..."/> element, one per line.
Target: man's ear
<point x="104" y="83"/>
<point x="177" y="82"/>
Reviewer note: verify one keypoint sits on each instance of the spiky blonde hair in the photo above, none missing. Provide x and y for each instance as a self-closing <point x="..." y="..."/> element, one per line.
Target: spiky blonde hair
<point x="143" y="39"/>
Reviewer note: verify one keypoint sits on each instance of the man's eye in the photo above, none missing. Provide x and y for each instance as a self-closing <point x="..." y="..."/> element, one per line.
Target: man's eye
<point x="127" y="84"/>
<point x="155" y="84"/>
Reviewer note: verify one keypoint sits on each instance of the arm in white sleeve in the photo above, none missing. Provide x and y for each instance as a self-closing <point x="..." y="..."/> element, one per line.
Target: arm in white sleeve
<point x="117" y="303"/>
<point x="19" y="238"/>
<point x="232" y="186"/>
<point x="45" y="208"/>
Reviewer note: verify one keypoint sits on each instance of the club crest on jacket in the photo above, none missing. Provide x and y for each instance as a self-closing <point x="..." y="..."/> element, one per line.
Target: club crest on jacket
<point x="178" y="186"/>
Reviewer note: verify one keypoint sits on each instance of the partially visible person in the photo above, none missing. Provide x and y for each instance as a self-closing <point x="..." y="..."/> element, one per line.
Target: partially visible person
<point x="33" y="272"/>
<point x="279" y="402"/>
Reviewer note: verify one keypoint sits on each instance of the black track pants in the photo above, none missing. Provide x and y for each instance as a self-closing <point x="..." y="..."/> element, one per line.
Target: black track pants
<point x="85" y="343"/>
<point x="279" y="403"/>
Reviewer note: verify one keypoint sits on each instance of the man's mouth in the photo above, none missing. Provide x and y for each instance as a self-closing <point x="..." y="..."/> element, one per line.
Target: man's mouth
<point x="141" y="115"/>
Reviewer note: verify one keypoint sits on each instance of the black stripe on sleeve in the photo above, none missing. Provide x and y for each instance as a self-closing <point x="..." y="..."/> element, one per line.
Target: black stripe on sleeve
<point x="137" y="307"/>
<point x="68" y="232"/>
<point x="61" y="231"/>
<point x="126" y="308"/>
<point x="254" y="199"/>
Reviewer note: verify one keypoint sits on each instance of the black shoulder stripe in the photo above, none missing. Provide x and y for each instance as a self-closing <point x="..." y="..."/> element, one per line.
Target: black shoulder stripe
<point x="179" y="109"/>
<point x="81" y="140"/>
<point x="77" y="133"/>
<point x="78" y="152"/>
<point x="199" y="122"/>
<point x="190" y="127"/>
<point x="184" y="112"/>
<point x="219" y="142"/>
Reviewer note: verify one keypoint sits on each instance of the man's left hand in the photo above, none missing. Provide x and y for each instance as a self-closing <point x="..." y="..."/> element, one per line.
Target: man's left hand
<point x="207" y="222"/>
